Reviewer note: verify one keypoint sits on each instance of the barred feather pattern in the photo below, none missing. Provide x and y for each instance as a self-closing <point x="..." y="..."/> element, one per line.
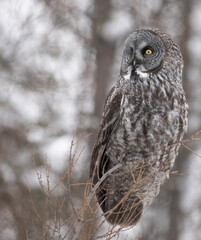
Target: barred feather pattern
<point x="143" y="123"/>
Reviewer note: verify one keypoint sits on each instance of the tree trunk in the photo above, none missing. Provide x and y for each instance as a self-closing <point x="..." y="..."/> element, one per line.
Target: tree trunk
<point x="104" y="52"/>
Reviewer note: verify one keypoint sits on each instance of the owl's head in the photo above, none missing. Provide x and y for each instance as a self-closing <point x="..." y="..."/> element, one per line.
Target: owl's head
<point x="145" y="52"/>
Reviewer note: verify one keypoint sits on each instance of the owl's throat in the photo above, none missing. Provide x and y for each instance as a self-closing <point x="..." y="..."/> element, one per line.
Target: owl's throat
<point x="132" y="73"/>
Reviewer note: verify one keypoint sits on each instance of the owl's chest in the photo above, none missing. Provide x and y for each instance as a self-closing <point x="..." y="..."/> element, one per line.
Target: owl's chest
<point x="148" y="123"/>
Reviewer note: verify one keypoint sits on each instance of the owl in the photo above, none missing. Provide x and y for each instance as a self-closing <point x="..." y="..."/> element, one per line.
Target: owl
<point x="143" y="123"/>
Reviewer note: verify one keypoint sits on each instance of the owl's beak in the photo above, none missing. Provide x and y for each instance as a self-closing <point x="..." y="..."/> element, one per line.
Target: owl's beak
<point x="134" y="63"/>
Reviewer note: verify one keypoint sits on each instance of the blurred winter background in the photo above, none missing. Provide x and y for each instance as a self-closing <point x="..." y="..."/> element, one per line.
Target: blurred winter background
<point x="58" y="60"/>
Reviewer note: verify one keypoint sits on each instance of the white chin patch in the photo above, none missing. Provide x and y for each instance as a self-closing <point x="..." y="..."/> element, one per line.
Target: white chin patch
<point x="127" y="76"/>
<point x="142" y="74"/>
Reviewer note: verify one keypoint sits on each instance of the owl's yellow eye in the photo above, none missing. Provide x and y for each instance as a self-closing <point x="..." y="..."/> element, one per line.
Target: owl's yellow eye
<point x="148" y="51"/>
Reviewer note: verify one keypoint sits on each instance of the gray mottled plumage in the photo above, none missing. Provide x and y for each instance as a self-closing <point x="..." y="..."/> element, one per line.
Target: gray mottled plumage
<point x="143" y="123"/>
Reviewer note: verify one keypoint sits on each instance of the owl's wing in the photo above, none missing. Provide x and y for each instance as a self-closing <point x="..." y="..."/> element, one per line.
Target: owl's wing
<point x="110" y="120"/>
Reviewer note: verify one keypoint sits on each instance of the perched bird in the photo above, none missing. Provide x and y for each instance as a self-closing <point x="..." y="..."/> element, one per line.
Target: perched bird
<point x="143" y="123"/>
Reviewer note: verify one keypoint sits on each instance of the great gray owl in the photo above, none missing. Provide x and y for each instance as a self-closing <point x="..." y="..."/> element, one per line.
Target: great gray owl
<point x="143" y="123"/>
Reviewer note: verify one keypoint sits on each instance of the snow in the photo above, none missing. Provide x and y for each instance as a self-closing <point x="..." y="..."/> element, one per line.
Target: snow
<point x="56" y="152"/>
<point x="7" y="173"/>
<point x="120" y="24"/>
